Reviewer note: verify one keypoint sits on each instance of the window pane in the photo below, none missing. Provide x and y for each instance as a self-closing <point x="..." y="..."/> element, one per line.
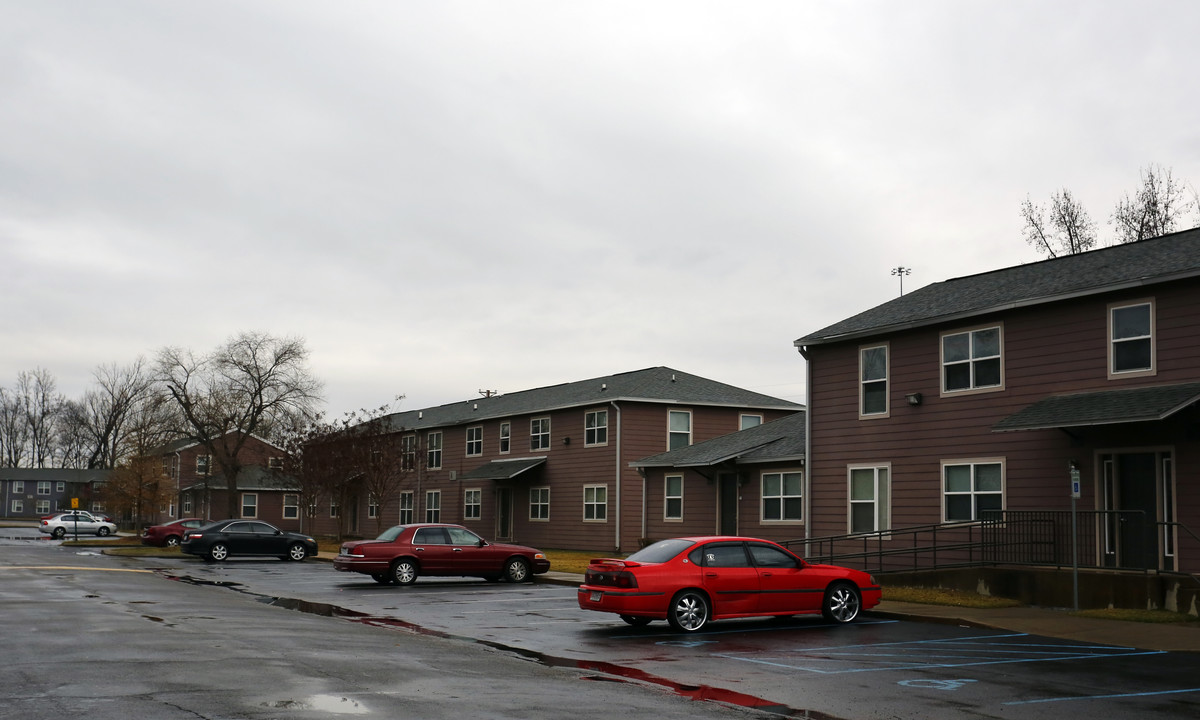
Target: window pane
<point x="1131" y="355"/>
<point x="986" y="503"/>
<point x="680" y="422"/>
<point x="771" y="484"/>
<point x="874" y="398"/>
<point x="862" y="484"/>
<point x="958" y="478"/>
<point x="987" y="372"/>
<point x="1130" y="322"/>
<point x="792" y="484"/>
<point x="862" y="517"/>
<point x="874" y="363"/>
<point x="987" y="478"/>
<point x="771" y="508"/>
<point x="674" y="508"/>
<point x="674" y="485"/>
<point x="985" y="343"/>
<point x="958" y="507"/>
<point x="958" y="377"/>
<point x="601" y="494"/>
<point x="793" y="508"/>
<point x="956" y="347"/>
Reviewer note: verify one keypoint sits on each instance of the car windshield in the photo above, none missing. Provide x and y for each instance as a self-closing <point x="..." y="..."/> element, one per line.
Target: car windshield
<point x="391" y="533"/>
<point x="661" y="551"/>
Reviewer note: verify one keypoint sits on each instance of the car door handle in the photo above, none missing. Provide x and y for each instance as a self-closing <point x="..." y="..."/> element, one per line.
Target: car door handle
<point x="419" y="549"/>
<point x="457" y="549"/>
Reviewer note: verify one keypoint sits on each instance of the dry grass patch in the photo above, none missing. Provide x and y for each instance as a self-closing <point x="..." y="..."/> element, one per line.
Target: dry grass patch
<point x="943" y="596"/>
<point x="1146" y="616"/>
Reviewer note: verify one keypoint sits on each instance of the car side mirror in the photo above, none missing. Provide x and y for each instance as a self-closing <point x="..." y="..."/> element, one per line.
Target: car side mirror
<point x="481" y="543"/>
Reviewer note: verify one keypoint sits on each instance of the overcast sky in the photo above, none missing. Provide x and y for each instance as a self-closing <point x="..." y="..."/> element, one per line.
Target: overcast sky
<point x="447" y="197"/>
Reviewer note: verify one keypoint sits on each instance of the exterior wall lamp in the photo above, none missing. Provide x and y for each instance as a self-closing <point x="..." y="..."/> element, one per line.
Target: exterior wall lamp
<point x="913" y="399"/>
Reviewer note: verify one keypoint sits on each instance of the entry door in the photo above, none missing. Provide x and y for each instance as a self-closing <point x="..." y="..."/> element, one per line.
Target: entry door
<point x="1132" y="489"/>
<point x="504" y="513"/>
<point x="729" y="504"/>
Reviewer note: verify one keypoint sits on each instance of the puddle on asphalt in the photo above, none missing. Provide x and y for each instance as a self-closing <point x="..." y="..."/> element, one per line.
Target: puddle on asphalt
<point x="335" y="704"/>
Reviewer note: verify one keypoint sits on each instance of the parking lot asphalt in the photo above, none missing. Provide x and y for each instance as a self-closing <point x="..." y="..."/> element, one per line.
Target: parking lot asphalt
<point x="1045" y="622"/>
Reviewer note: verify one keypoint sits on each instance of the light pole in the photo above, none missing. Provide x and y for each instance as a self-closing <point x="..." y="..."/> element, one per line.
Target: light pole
<point x="900" y="272"/>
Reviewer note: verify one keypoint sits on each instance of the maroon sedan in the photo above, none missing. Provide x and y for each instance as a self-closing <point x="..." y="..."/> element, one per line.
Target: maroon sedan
<point x="404" y="552"/>
<point x="169" y="534"/>
<point x="689" y="581"/>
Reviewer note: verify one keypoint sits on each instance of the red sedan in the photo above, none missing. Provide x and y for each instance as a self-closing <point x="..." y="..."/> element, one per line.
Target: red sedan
<point x="403" y="552"/>
<point x="689" y="581"/>
<point x="169" y="534"/>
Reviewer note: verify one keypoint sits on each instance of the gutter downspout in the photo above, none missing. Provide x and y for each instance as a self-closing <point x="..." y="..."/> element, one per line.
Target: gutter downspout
<point x="808" y="459"/>
<point x="617" y="514"/>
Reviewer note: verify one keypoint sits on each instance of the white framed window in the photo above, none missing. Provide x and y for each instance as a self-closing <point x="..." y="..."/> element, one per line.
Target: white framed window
<point x="673" y="497"/>
<point x="42" y="507"/>
<point x="971" y="487"/>
<point x="372" y="507"/>
<point x="275" y="463"/>
<point x="408" y="452"/>
<point x="595" y="428"/>
<point x="18" y="487"/>
<point x="472" y="504"/>
<point x="249" y="505"/>
<point x="187" y="504"/>
<point x="505" y="438"/>
<point x="539" y="503"/>
<point x="679" y="429"/>
<point x="18" y="507"/>
<point x="433" y="506"/>
<point x="539" y="434"/>
<point x="60" y="487"/>
<point x="335" y="508"/>
<point x="783" y="496"/>
<point x="870" y="498"/>
<point x="595" y="503"/>
<point x="291" y="506"/>
<point x="434" y="451"/>
<point x="406" y="507"/>
<point x="873" y="369"/>
<point x="43" y="487"/>
<point x="972" y="360"/>
<point x="746" y="422"/>
<point x="203" y="464"/>
<point x="475" y="441"/>
<point x="1131" y="339"/>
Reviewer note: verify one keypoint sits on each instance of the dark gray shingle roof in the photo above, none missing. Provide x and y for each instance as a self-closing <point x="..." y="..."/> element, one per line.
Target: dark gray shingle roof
<point x="502" y="469"/>
<point x="1103" y="407"/>
<point x="1170" y="257"/>
<point x="781" y="439"/>
<point x="659" y="384"/>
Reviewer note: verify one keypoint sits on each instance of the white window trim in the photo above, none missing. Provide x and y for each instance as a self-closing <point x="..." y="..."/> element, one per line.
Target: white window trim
<point x="597" y="427"/>
<point x="742" y="420"/>
<point x="690" y="430"/>
<point x="884" y="523"/>
<point x="762" y="518"/>
<point x="887" y="382"/>
<point x="207" y="467"/>
<point x="505" y="438"/>
<point x="543" y="421"/>
<point x="667" y="497"/>
<point x="290" y="511"/>
<point x="941" y="356"/>
<point x="433" y="497"/>
<point x="406" y="507"/>
<point x="539" y="488"/>
<point x="430" y="450"/>
<point x="478" y="504"/>
<point x="586" y="519"/>
<point x="255" y="505"/>
<point x="1146" y="372"/>
<point x="478" y="443"/>
<point x="973" y="461"/>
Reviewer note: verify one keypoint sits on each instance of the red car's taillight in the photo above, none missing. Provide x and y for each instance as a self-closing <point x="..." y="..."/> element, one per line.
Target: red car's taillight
<point x="620" y="579"/>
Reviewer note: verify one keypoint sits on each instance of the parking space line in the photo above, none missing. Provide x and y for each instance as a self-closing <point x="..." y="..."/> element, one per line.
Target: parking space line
<point x="1114" y="696"/>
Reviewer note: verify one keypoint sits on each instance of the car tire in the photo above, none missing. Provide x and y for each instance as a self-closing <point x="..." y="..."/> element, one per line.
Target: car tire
<point x="636" y="621"/>
<point x="842" y="603"/>
<point x="404" y="572"/>
<point x="59" y="533"/>
<point x="218" y="552"/>
<point x="516" y="570"/>
<point x="172" y="541"/>
<point x="689" y="611"/>
<point x="297" y="552"/>
<point x="102" y="531"/>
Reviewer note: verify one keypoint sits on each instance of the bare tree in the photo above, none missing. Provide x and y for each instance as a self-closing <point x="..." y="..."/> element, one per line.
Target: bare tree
<point x="1157" y="208"/>
<point x="137" y="486"/>
<point x="14" y="433"/>
<point x="1064" y="229"/>
<point x="40" y="405"/>
<point x="95" y="432"/>
<point x="251" y="385"/>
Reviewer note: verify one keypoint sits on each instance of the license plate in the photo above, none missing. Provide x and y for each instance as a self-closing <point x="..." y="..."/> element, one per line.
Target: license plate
<point x="595" y="596"/>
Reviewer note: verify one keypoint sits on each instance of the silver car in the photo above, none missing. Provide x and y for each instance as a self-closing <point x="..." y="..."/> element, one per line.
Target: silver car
<point x="73" y="523"/>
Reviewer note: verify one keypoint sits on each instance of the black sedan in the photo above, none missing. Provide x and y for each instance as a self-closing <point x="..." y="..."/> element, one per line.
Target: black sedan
<point x="226" y="538"/>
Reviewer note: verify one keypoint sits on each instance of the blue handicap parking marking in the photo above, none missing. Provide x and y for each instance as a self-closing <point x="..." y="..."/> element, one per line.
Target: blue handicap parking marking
<point x="937" y="684"/>
<point x="928" y="654"/>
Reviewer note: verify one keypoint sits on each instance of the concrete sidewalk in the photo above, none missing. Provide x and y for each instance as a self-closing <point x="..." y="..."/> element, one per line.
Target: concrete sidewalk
<point x="1045" y="622"/>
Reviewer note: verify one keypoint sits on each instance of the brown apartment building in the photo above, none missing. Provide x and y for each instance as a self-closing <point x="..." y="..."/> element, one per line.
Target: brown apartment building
<point x="551" y="467"/>
<point x="999" y="392"/>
